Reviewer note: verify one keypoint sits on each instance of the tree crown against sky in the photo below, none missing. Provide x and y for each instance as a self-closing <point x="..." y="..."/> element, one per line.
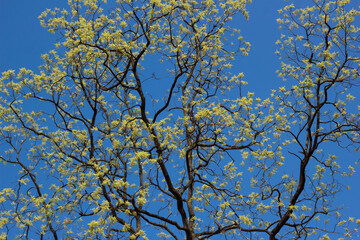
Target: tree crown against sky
<point x="135" y="126"/>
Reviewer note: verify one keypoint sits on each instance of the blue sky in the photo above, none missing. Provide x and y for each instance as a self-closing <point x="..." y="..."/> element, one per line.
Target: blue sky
<point x="23" y="40"/>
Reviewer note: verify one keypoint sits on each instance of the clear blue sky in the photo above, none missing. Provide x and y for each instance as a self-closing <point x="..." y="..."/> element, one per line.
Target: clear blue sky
<point x="23" y="40"/>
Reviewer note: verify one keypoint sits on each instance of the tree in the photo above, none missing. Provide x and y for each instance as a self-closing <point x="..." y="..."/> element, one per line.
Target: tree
<point x="104" y="153"/>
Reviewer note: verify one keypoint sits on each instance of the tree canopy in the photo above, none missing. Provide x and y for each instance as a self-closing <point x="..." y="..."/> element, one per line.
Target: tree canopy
<point x="136" y="127"/>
